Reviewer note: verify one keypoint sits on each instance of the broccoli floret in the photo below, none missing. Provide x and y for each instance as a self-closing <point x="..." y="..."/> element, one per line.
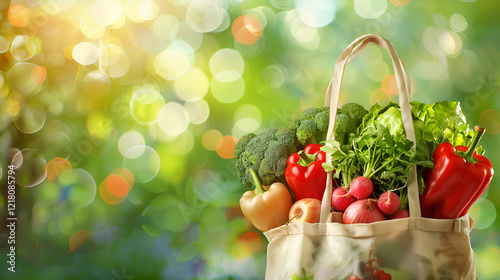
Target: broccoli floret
<point x="267" y="153"/>
<point x="349" y="117"/>
<point x="355" y="111"/>
<point x="311" y="126"/>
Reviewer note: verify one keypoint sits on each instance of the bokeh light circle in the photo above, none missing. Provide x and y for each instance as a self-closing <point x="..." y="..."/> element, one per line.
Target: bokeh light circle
<point x="151" y="221"/>
<point x="143" y="163"/>
<point x="208" y="185"/>
<point x="95" y="84"/>
<point x="210" y="139"/>
<point x="18" y="15"/>
<point x="59" y="5"/>
<point x="316" y="13"/>
<point x="183" y="31"/>
<point x="484" y="213"/>
<point x="198" y="111"/>
<point x="78" y="183"/>
<point x="22" y="48"/>
<point x="130" y="139"/>
<point x="466" y="71"/>
<point x="179" y="145"/>
<point x="247" y="119"/>
<point x="148" y="10"/>
<point x="116" y="187"/>
<point x="164" y="26"/>
<point x="247" y="29"/>
<point x="4" y="44"/>
<point x="90" y="27"/>
<point x="56" y="167"/>
<point x="188" y="90"/>
<point x="400" y="3"/>
<point x="490" y="119"/>
<point x="176" y="216"/>
<point x="31" y="118"/>
<point x="376" y="70"/>
<point x="175" y="61"/>
<point x="106" y="12"/>
<point x="113" y="61"/>
<point x="370" y="8"/>
<point x="24" y="84"/>
<point x="85" y="53"/>
<point x="450" y="43"/>
<point x="225" y="146"/>
<point x="228" y="92"/>
<point x="59" y="144"/>
<point x="38" y="75"/>
<point x="380" y="96"/>
<point x="173" y="119"/>
<point x="458" y="22"/>
<point x="78" y="238"/>
<point x="30" y="167"/>
<point x="227" y="65"/>
<point x="307" y="37"/>
<point x="132" y="10"/>
<point x="145" y="105"/>
<point x="204" y="15"/>
<point x="389" y="83"/>
<point x="72" y="213"/>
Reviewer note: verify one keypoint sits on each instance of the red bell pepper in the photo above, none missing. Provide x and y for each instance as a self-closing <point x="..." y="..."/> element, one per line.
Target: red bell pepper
<point x="305" y="174"/>
<point x="457" y="180"/>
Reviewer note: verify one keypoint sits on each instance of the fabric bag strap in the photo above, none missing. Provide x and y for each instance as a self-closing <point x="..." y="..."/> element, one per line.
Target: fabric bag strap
<point x="404" y="91"/>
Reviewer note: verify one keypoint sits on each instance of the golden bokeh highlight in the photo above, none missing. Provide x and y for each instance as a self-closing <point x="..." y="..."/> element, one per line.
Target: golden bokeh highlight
<point x="225" y="146"/>
<point x="247" y="29"/>
<point x="400" y="3"/>
<point x="248" y="244"/>
<point x="116" y="187"/>
<point x="18" y="15"/>
<point x="490" y="119"/>
<point x="380" y="96"/>
<point x="210" y="139"/>
<point x="38" y="75"/>
<point x="389" y="85"/>
<point x="56" y="167"/>
<point x="78" y="238"/>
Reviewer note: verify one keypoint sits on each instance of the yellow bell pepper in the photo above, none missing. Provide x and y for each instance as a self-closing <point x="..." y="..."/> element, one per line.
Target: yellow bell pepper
<point x="266" y="209"/>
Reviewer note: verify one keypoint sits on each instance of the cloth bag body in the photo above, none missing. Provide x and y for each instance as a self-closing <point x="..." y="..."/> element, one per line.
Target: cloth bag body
<point x="407" y="248"/>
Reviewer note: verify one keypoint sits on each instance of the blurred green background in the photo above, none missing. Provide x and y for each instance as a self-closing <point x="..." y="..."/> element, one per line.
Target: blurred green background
<point x="121" y="116"/>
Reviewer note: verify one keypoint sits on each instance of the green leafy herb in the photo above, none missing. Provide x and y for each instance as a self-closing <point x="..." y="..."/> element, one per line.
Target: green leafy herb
<point x="303" y="276"/>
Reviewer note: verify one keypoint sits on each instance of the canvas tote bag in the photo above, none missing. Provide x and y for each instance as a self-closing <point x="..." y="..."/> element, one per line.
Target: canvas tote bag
<point x="408" y="248"/>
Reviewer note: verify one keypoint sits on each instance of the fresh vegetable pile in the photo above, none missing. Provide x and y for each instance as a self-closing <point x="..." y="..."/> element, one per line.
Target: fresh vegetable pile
<point x="371" y="158"/>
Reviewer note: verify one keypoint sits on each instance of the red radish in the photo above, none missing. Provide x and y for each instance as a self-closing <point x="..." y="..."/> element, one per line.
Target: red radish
<point x="363" y="211"/>
<point x="389" y="203"/>
<point x="353" y="277"/>
<point x="403" y="213"/>
<point x="361" y="187"/>
<point x="341" y="198"/>
<point x="385" y="276"/>
<point x="377" y="272"/>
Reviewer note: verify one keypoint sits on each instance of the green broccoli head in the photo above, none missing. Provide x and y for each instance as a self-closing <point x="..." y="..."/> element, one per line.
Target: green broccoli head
<point x="344" y="127"/>
<point x="355" y="111"/>
<point x="311" y="126"/>
<point x="349" y="117"/>
<point x="267" y="153"/>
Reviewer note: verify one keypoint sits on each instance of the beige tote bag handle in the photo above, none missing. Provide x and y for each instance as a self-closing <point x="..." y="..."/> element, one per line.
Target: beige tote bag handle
<point x="404" y="92"/>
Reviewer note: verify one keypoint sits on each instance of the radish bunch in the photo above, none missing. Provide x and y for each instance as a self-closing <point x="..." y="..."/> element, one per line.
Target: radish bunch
<point x="359" y="206"/>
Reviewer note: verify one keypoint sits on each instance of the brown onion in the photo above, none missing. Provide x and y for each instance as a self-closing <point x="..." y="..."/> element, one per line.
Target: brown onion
<point x="363" y="211"/>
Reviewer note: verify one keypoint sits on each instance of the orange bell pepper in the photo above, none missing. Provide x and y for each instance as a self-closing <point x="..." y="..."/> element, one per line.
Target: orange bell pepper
<point x="266" y="209"/>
